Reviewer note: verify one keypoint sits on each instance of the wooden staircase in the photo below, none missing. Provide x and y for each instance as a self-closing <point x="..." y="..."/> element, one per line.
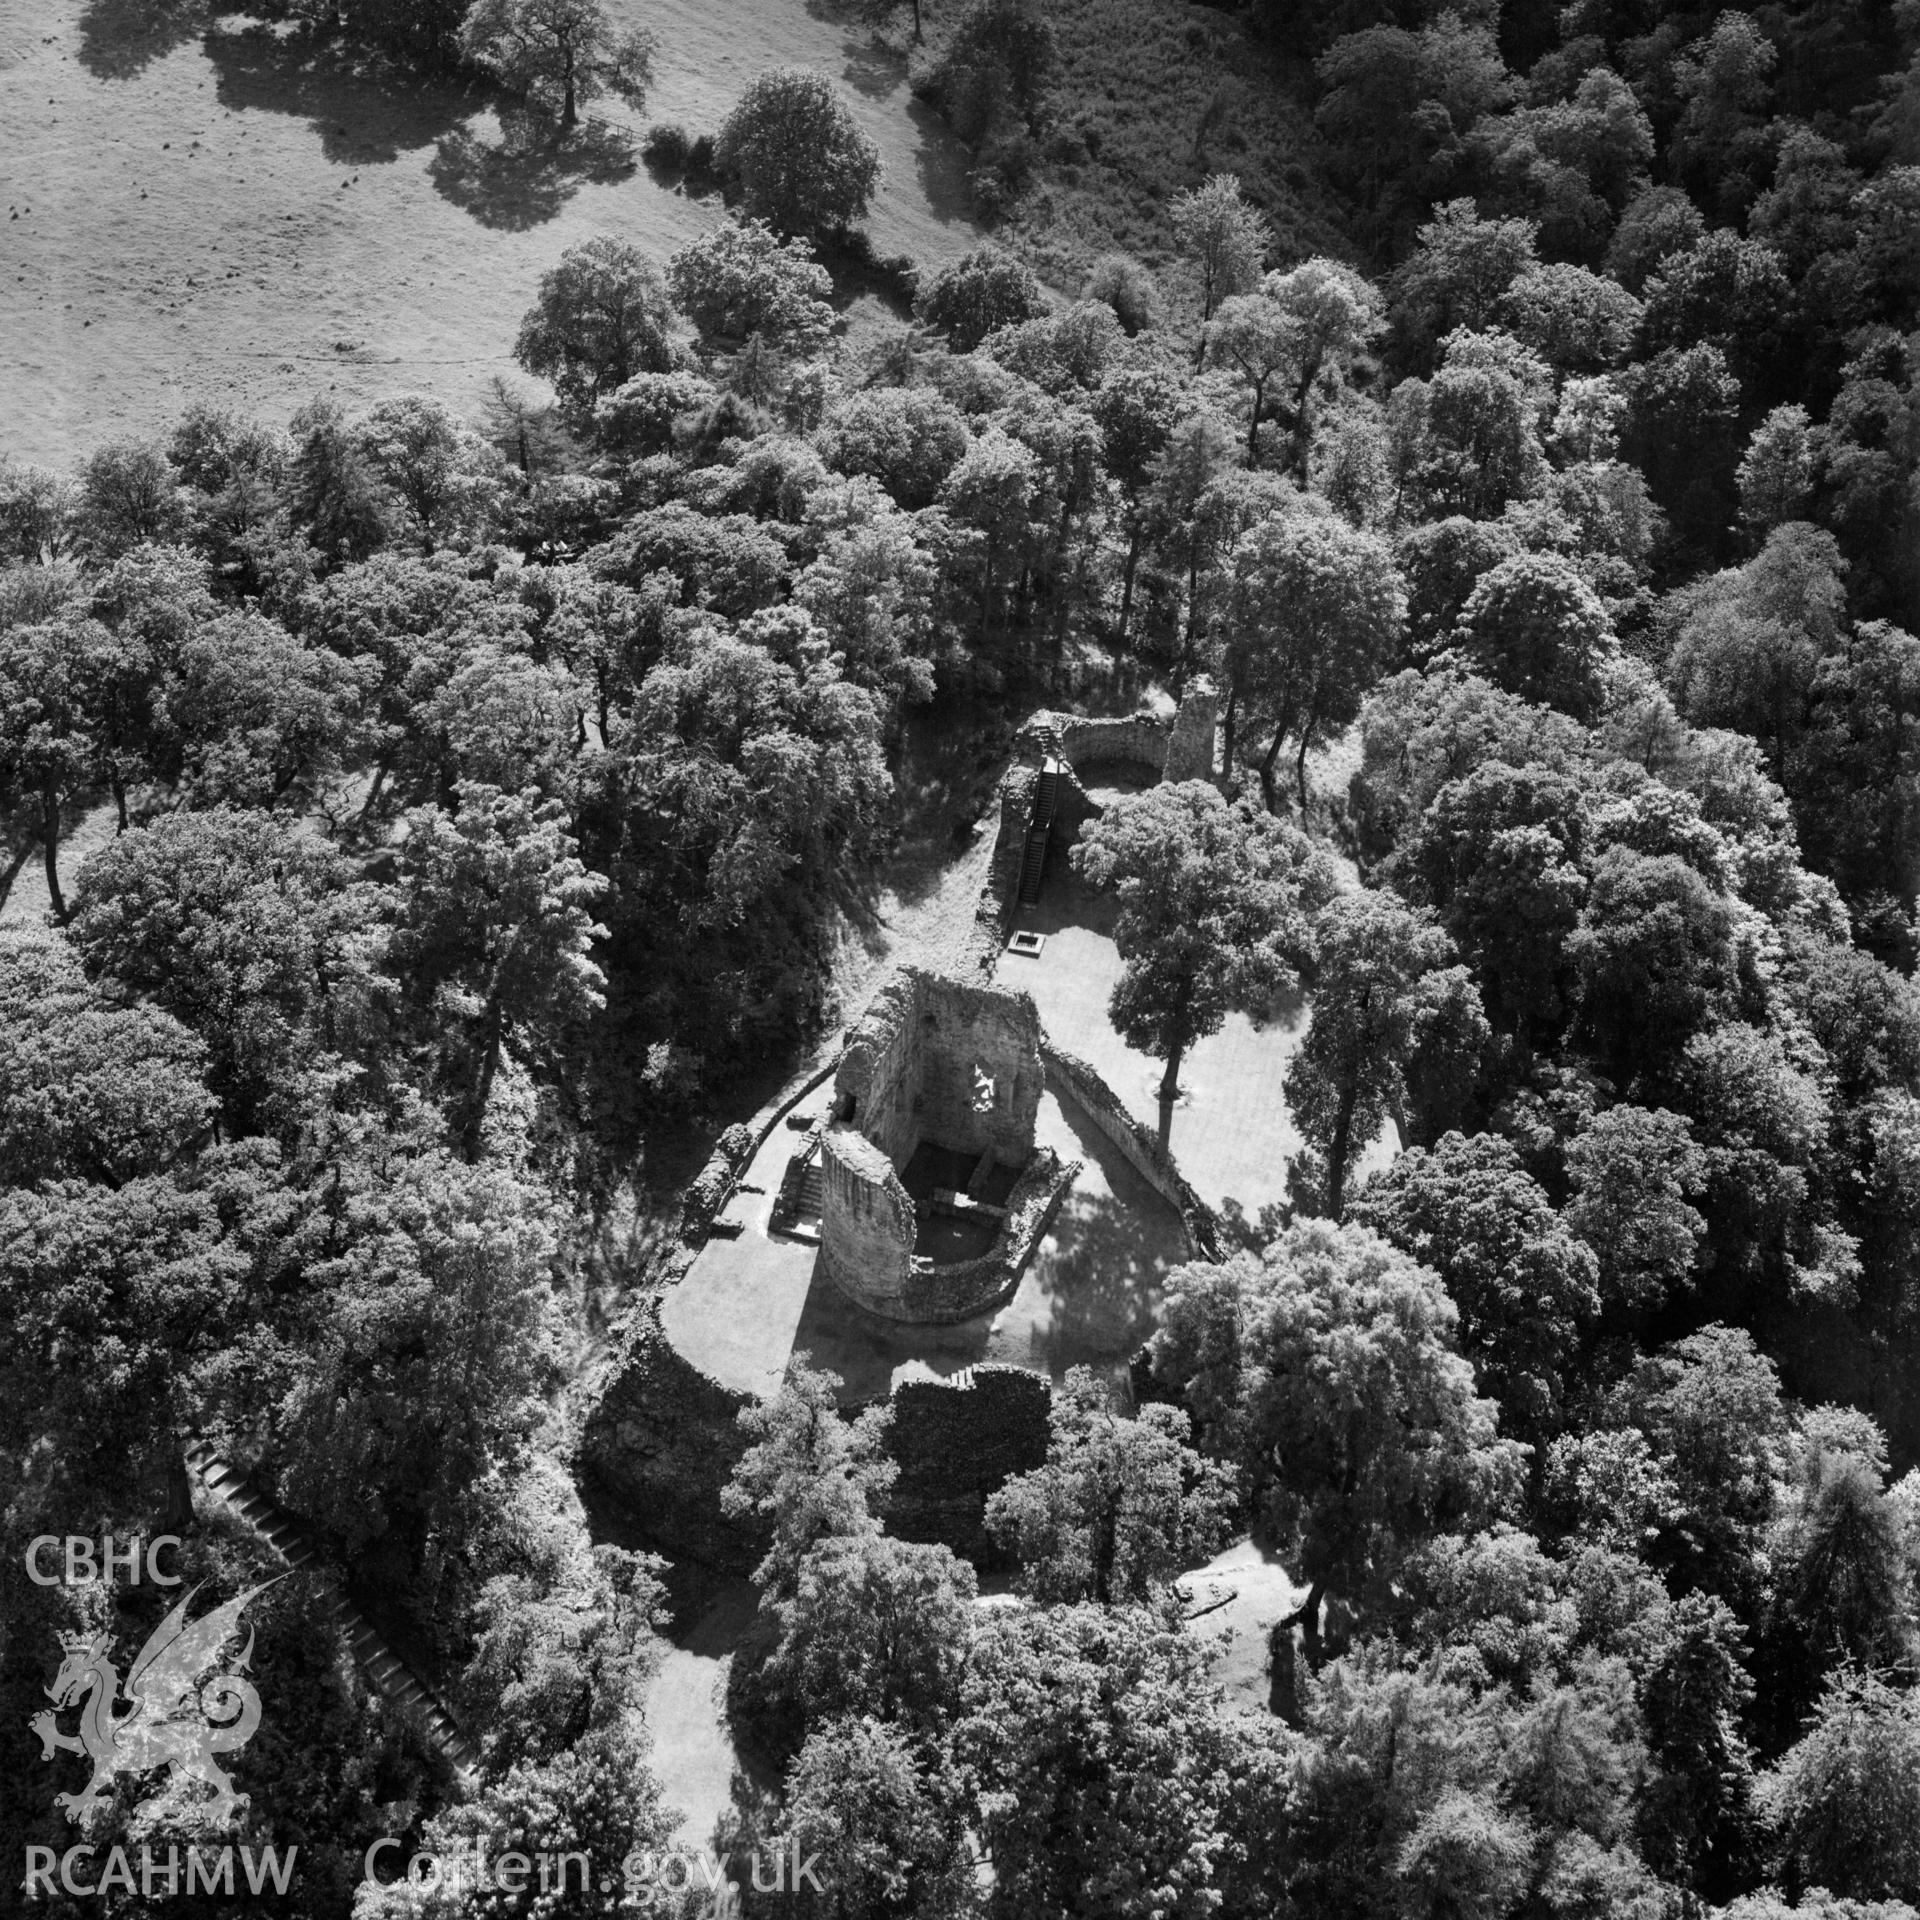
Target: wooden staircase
<point x="1033" y="864"/>
<point x="386" y="1672"/>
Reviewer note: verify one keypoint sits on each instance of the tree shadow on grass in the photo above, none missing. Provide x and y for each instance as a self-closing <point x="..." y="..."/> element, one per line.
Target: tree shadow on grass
<point x="858" y="274"/>
<point x="875" y="69"/>
<point x="525" y="178"/>
<point x="366" y="110"/>
<point x="943" y="163"/>
<point x="1107" y="1261"/>
<point x="1066" y="900"/>
<point x="120" y="39"/>
<point x="864" y="1350"/>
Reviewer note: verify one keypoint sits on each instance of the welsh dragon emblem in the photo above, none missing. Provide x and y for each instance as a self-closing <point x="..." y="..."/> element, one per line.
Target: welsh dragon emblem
<point x="171" y="1715"/>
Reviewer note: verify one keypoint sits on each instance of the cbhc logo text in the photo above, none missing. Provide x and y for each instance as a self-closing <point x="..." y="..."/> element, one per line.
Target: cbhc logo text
<point x="80" y="1561"/>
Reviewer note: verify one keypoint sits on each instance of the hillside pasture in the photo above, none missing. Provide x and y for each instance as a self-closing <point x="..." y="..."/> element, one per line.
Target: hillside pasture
<point x="1153" y="96"/>
<point x="198" y="206"/>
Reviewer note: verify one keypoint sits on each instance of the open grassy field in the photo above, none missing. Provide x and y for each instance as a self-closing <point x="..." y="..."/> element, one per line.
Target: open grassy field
<point x="194" y="205"/>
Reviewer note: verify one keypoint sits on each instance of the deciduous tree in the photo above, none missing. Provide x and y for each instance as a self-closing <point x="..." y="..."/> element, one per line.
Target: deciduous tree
<point x="742" y="278"/>
<point x="1213" y="904"/>
<point x="129" y="494"/>
<point x="873" y="1627"/>
<point x="1524" y="1285"/>
<point x="1120" y="1506"/>
<point x="888" y="1815"/>
<point x="982" y="290"/>
<point x="1634" y="1172"/>
<point x="1223" y="239"/>
<point x="1498" y="855"/>
<point x="1315" y="612"/>
<point x="496" y="930"/>
<point x="749" y="779"/>
<point x="808" y="1475"/>
<point x="1103" y="1762"/>
<point x="248" y="932"/>
<point x="130" y="1318"/>
<point x="1389" y="1011"/>
<point x="600" y="318"/>
<point x="1327" y="1369"/>
<point x="560" y="53"/>
<point x="804" y="164"/>
<point x="445" y="476"/>
<point x="48" y="752"/>
<point x="90" y="1089"/>
<point x="1534" y="626"/>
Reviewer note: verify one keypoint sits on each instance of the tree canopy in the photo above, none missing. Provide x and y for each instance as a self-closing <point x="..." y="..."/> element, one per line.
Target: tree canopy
<point x="1213" y="905"/>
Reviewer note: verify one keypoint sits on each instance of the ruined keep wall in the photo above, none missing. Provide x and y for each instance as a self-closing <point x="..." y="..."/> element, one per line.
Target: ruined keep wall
<point x="909" y="1072"/>
<point x="878" y="1081"/>
<point x="1190" y="750"/>
<point x="1135" y="740"/>
<point x="867" y="1222"/>
<point x="661" y="1442"/>
<point x="1073" y="1080"/>
<point x="965" y="1030"/>
<point x="933" y="1059"/>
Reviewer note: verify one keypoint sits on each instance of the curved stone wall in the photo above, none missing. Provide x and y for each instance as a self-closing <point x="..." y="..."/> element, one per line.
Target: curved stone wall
<point x="938" y="1295"/>
<point x="1072" y="1079"/>
<point x="1136" y="741"/>
<point x="867" y="1222"/>
<point x="867" y="1235"/>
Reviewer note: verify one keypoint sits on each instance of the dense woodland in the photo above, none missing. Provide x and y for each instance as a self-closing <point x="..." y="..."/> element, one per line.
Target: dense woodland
<point x="478" y="801"/>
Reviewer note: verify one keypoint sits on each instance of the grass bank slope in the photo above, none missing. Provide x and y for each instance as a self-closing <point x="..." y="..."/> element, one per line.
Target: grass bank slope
<point x="1154" y="95"/>
<point x="196" y="206"/>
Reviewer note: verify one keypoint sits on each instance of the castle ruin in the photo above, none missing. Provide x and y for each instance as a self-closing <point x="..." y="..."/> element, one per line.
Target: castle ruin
<point x="933" y="1195"/>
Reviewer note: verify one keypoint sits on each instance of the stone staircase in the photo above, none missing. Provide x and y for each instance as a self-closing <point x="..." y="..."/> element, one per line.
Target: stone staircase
<point x="811" y="1200"/>
<point x="386" y="1672"/>
<point x="802" y="1197"/>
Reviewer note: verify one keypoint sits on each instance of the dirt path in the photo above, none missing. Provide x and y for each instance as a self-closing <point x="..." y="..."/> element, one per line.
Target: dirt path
<point x="687" y="1714"/>
<point x="925" y="919"/>
<point x="226" y="213"/>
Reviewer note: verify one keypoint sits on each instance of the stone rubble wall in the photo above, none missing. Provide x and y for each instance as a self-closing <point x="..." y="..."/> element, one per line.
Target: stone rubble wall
<point x="660" y="1443"/>
<point x="940" y="1295"/>
<point x="664" y="1439"/>
<point x="713" y="1186"/>
<point x="968" y="1031"/>
<point x="1137" y="741"/>
<point x="957" y="1443"/>
<point x="1190" y="750"/>
<point x="993" y="914"/>
<point x="878" y="1079"/>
